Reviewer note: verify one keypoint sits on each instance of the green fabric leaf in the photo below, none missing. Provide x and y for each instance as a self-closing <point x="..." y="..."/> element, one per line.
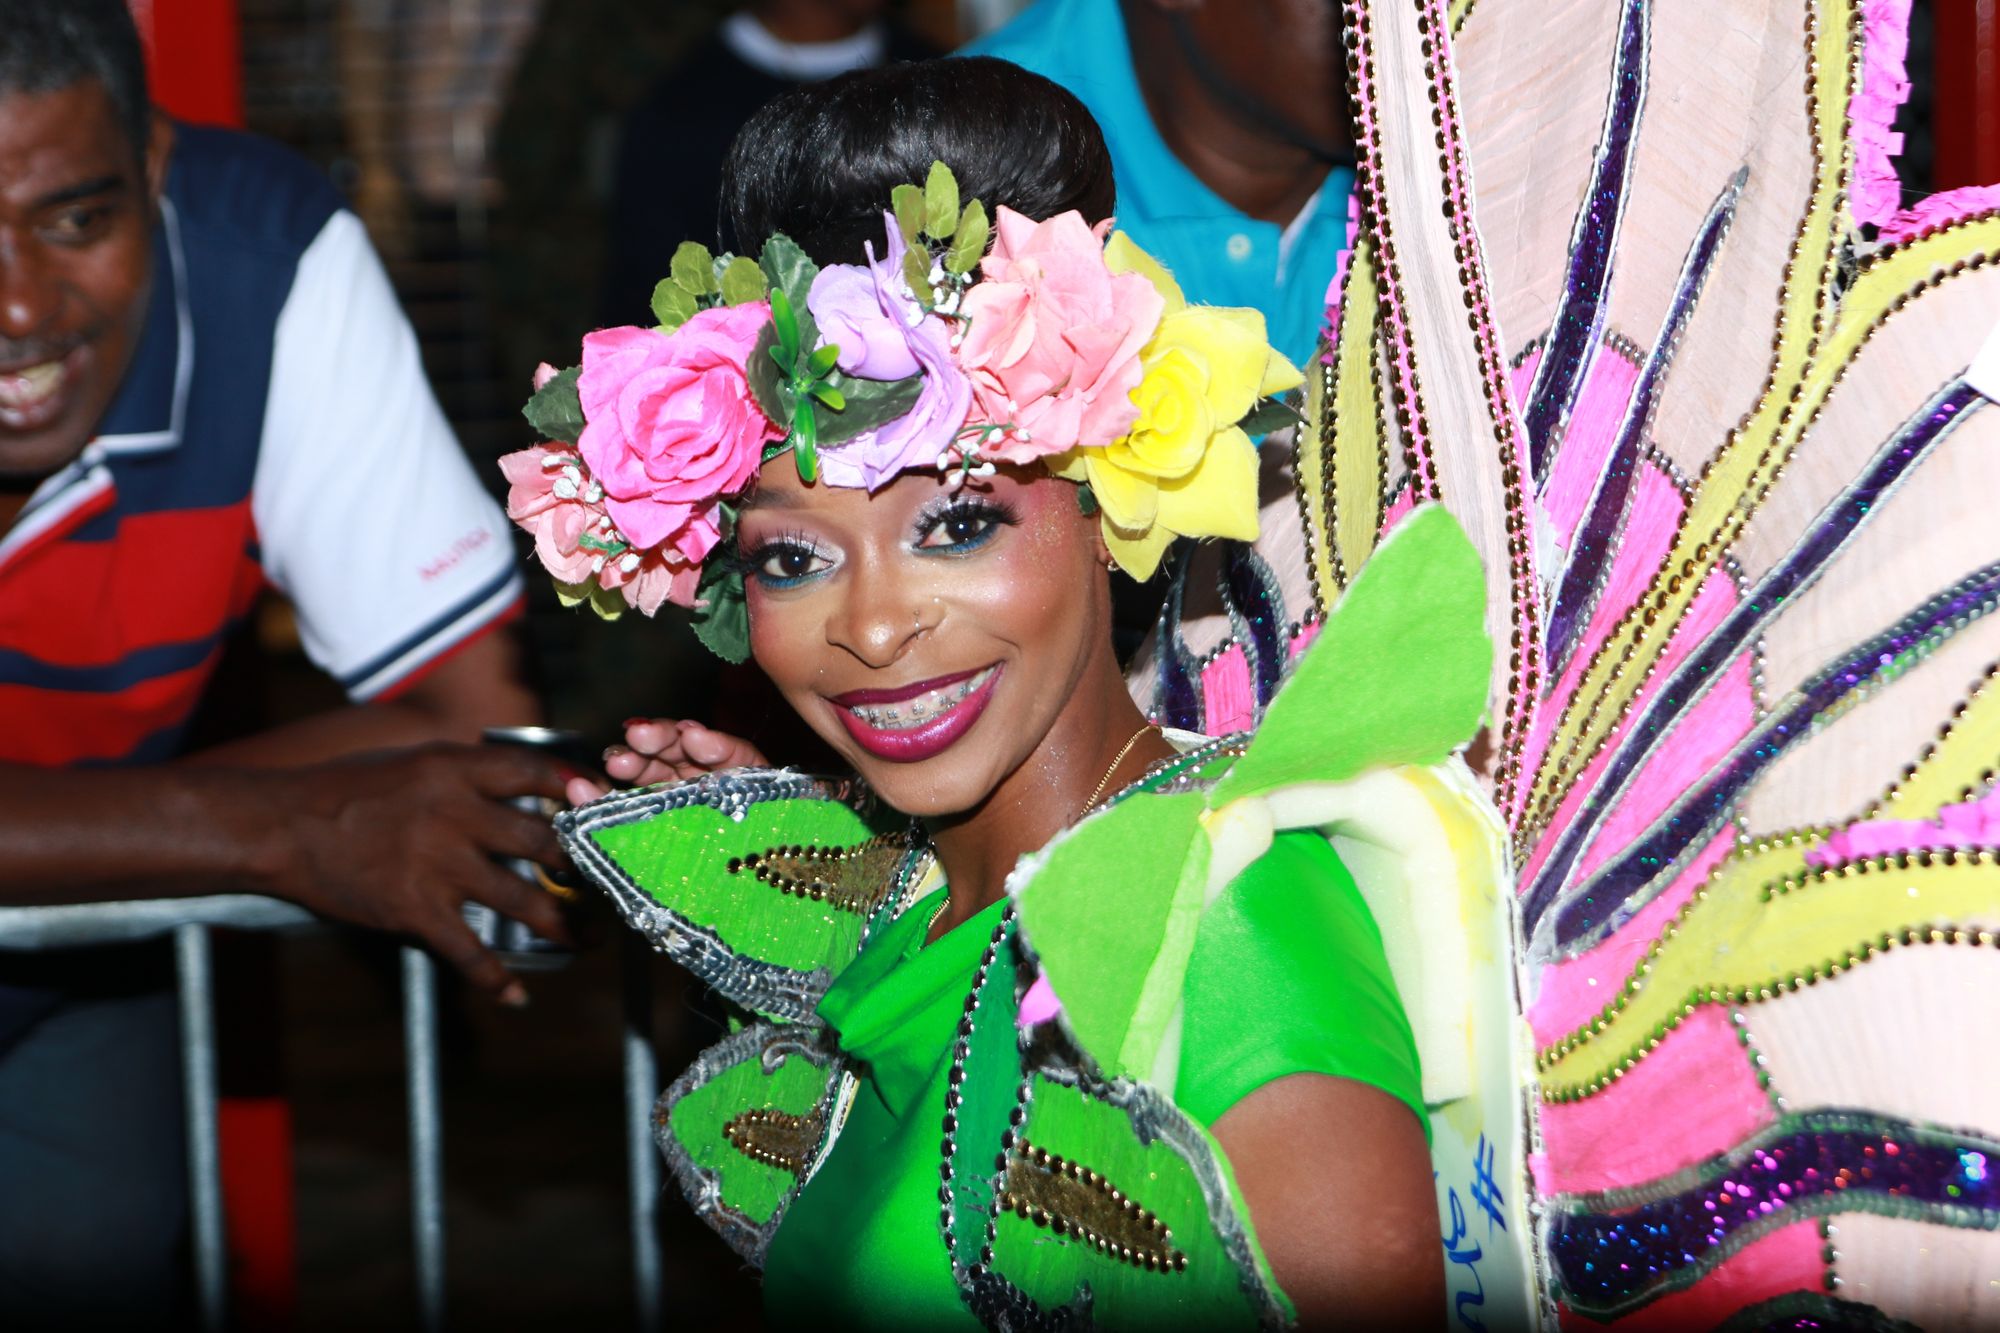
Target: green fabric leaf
<point x="917" y="272"/>
<point x="969" y="247"/>
<point x="555" y="411"/>
<point x="792" y="273"/>
<point x="697" y="1122"/>
<point x="673" y="306"/>
<point x="940" y="202"/>
<point x="608" y="603"/>
<point x="865" y="405"/>
<point x="723" y="623"/>
<point x="1398" y="675"/>
<point x="742" y="282"/>
<point x="769" y="383"/>
<point x="1142" y="851"/>
<point x="693" y="269"/>
<point x="574" y="594"/>
<point x="805" y="441"/>
<point x="785" y="319"/>
<point x="1270" y="414"/>
<point x="908" y="201"/>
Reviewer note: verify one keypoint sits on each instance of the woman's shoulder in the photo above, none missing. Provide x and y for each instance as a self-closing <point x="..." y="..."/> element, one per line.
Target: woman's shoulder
<point x="1288" y="975"/>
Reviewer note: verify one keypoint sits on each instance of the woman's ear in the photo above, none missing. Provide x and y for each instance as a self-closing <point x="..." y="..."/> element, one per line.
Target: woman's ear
<point x="1086" y="503"/>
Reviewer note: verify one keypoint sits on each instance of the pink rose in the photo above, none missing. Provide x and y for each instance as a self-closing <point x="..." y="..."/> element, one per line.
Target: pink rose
<point x="546" y="496"/>
<point x="646" y="579"/>
<point x="1053" y="338"/>
<point x="552" y="497"/>
<point x="670" y="426"/>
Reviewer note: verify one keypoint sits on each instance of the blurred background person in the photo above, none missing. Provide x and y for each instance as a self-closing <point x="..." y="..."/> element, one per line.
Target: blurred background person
<point x="205" y="384"/>
<point x="1229" y="136"/>
<point x="671" y="146"/>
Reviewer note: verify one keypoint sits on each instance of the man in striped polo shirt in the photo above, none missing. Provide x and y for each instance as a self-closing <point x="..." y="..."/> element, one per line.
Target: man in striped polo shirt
<point x="206" y="386"/>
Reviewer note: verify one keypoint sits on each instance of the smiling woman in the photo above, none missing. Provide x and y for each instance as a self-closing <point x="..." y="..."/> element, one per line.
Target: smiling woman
<point x="1098" y="986"/>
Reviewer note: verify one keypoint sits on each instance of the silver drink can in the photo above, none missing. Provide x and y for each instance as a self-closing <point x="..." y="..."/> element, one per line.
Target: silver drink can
<point x="519" y="947"/>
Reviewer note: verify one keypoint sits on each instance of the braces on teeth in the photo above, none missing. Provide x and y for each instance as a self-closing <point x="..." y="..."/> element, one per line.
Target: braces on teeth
<point x="915" y="712"/>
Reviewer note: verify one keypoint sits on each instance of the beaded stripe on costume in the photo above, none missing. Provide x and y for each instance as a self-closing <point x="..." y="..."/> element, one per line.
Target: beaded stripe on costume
<point x="777" y="1138"/>
<point x="854" y="879"/>
<point x="1070" y="1199"/>
<point x="1732" y="484"/>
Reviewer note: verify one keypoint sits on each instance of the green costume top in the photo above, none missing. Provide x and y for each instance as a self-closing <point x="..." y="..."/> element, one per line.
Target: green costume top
<point x="901" y="1148"/>
<point x="1287" y="976"/>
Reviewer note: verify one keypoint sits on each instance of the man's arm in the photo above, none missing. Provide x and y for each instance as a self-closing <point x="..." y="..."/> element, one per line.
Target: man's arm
<point x="476" y="687"/>
<point x="395" y="841"/>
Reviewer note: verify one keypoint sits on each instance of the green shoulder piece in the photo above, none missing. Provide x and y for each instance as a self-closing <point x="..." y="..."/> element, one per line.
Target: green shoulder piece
<point x="1080" y="1201"/>
<point x="744" y="1127"/>
<point x="1397" y="676"/>
<point x="759" y="881"/>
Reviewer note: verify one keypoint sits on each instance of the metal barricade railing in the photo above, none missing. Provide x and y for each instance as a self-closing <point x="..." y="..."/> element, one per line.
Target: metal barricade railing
<point x="189" y="921"/>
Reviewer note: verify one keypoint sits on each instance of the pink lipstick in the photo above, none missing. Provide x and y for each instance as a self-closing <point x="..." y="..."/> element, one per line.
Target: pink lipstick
<point x="914" y="722"/>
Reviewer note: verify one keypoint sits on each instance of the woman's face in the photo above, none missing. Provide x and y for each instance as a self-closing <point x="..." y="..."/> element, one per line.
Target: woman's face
<point x="931" y="636"/>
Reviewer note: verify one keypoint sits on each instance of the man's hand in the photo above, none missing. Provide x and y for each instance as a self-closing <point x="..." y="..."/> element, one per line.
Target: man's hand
<point x="401" y="841"/>
<point x="663" y="750"/>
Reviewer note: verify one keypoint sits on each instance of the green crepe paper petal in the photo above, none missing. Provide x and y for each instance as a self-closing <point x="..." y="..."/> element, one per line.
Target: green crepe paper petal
<point x="556" y="409"/>
<point x="1398" y="675"/>
<point x="1106" y="908"/>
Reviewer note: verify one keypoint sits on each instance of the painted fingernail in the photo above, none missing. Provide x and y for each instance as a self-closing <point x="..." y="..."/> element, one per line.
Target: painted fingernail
<point x="515" y="996"/>
<point x="632" y="722"/>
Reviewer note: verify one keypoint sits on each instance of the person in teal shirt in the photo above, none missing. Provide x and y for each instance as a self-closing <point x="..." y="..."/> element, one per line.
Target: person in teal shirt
<point x="1229" y="139"/>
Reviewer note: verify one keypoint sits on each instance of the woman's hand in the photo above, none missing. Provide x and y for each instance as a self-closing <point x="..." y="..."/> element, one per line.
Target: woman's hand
<point x="663" y="750"/>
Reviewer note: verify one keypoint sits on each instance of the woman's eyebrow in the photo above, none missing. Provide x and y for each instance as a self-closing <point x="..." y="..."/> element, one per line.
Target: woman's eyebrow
<point x="759" y="498"/>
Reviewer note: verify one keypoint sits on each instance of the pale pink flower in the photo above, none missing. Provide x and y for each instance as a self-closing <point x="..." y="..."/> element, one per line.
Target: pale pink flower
<point x="553" y="499"/>
<point x="1053" y="337"/>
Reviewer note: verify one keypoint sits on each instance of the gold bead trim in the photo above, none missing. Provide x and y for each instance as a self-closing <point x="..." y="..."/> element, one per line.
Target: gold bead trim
<point x="853" y="879"/>
<point x="1863" y="951"/>
<point x="1069" y="1199"/>
<point x="776" y="1138"/>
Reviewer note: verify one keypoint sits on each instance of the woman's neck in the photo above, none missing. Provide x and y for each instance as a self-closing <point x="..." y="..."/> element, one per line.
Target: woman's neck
<point x="1099" y="744"/>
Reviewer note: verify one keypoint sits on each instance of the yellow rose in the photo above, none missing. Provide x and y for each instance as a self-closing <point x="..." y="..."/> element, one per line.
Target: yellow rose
<point x="1186" y="468"/>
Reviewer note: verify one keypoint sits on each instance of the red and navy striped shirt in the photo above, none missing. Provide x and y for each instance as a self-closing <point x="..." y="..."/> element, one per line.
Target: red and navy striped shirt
<point x="274" y="428"/>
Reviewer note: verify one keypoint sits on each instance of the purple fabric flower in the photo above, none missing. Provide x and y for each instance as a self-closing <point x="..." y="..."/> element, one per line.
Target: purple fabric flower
<point x="915" y="439"/>
<point x="856" y="315"/>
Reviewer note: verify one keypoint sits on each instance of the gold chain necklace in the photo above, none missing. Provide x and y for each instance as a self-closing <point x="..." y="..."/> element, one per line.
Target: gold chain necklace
<point x="1105" y="781"/>
<point x="1096" y="795"/>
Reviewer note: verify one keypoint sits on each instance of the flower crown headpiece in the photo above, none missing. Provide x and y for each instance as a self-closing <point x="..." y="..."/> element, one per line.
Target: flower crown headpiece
<point x="1057" y="347"/>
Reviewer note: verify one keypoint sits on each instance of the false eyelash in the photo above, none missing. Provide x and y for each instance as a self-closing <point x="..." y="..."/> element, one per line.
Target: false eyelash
<point x="978" y="506"/>
<point x="746" y="561"/>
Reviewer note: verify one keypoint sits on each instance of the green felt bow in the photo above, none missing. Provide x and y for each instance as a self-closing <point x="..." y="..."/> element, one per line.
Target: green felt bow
<point x="1398" y="676"/>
